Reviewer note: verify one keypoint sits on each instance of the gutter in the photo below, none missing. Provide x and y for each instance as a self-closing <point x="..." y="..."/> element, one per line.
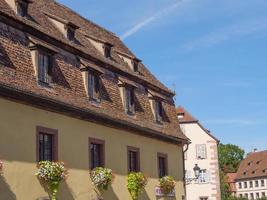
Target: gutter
<point x="52" y="105"/>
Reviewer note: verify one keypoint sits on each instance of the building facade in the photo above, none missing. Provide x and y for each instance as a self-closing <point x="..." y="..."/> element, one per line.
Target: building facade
<point x="72" y="91"/>
<point x="201" y="152"/>
<point x="251" y="179"/>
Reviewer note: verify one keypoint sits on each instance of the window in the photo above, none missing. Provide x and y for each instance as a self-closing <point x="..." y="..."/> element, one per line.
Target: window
<point x="257" y="195"/>
<point x="158" y="110"/>
<point x="245" y="185"/>
<point x="22" y="8"/>
<point x="93" y="86"/>
<point x="241" y="195"/>
<point x="246" y="195"/>
<point x="162" y="165"/>
<point x="70" y="33"/>
<point x="129" y="100"/>
<point x="201" y="151"/>
<point x="250" y="184"/>
<point x="133" y="159"/>
<point x="135" y="64"/>
<point x="251" y="196"/>
<point x="203" y="198"/>
<point x="97" y="149"/>
<point x="263" y="194"/>
<point x="46" y="144"/>
<point x="203" y="176"/>
<point x="262" y="183"/>
<point x="256" y="183"/>
<point x="44" y="67"/>
<point x="240" y="185"/>
<point x="107" y="50"/>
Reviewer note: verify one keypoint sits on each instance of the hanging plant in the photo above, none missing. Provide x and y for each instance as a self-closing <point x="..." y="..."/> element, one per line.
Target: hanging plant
<point x="166" y="184"/>
<point x="52" y="174"/>
<point x="101" y="178"/>
<point x="136" y="184"/>
<point x="1" y="166"/>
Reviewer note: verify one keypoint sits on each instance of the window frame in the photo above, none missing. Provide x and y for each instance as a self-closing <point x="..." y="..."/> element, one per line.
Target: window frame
<point x="165" y="156"/>
<point x="129" y="100"/>
<point x="22" y="8"/>
<point x="93" y="92"/>
<point x="49" y="73"/>
<point x="137" y="151"/>
<point x="54" y="134"/>
<point x="158" y="110"/>
<point x="197" y="152"/>
<point x="107" y="50"/>
<point x="102" y="151"/>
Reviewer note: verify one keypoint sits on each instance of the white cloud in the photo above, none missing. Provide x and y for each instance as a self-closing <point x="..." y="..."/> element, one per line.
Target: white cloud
<point x="243" y="122"/>
<point x="150" y="19"/>
<point x="236" y="30"/>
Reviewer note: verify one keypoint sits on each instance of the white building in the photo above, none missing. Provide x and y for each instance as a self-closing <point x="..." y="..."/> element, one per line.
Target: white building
<point x="251" y="179"/>
<point x="202" y="152"/>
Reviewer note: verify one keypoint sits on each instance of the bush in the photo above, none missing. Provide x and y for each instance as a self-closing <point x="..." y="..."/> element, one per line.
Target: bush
<point x="136" y="184"/>
<point x="52" y="173"/>
<point x="167" y="184"/>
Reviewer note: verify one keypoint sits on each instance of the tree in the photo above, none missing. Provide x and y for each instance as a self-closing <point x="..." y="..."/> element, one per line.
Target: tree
<point x="229" y="157"/>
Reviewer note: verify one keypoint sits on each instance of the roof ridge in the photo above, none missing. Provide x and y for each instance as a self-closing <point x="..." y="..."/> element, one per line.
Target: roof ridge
<point x="84" y="18"/>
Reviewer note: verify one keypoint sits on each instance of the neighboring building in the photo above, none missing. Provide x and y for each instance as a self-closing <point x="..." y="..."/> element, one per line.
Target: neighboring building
<point x="251" y="179"/>
<point x="72" y="91"/>
<point x="203" y="152"/>
<point x="230" y="180"/>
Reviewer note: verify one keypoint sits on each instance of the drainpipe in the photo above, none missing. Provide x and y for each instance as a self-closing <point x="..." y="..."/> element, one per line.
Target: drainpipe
<point x="185" y="150"/>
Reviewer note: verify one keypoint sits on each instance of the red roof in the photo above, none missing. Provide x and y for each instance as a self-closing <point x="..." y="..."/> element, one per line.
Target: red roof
<point x="230" y="179"/>
<point x="188" y="118"/>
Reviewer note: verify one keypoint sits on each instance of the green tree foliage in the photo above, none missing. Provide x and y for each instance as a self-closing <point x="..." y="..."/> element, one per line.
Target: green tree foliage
<point x="229" y="157"/>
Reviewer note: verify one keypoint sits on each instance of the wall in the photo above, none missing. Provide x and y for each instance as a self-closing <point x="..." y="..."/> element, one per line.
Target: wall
<point x="198" y="136"/>
<point x="252" y="190"/>
<point x="18" y="150"/>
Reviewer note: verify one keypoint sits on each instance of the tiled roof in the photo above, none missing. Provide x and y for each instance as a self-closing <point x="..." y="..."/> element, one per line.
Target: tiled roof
<point x="253" y="166"/>
<point x="17" y="70"/>
<point x="185" y="117"/>
<point x="230" y="179"/>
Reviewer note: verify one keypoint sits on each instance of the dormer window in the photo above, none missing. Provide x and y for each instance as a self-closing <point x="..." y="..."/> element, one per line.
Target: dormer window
<point x="156" y="100"/>
<point x="129" y="100"/>
<point x="107" y="50"/>
<point x="42" y="57"/>
<point x="70" y="30"/>
<point x="94" y="86"/>
<point x="70" y="34"/>
<point x="22" y="7"/>
<point x="180" y="116"/>
<point x="44" y="67"/>
<point x="157" y="104"/>
<point x="135" y="65"/>
<point x="127" y="90"/>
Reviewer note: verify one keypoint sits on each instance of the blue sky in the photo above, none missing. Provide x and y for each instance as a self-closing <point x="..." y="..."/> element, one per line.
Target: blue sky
<point x="212" y="52"/>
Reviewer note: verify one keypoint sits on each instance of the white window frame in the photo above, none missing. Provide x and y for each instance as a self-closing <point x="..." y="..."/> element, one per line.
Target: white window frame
<point x="201" y="151"/>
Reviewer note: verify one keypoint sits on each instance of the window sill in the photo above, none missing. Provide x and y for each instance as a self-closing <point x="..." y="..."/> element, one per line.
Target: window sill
<point x="94" y="102"/>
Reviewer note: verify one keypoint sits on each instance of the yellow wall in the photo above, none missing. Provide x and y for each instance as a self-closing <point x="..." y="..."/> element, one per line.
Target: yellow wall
<point x="18" y="150"/>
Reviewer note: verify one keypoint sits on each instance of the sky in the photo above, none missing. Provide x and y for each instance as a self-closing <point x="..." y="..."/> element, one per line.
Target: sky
<point x="213" y="53"/>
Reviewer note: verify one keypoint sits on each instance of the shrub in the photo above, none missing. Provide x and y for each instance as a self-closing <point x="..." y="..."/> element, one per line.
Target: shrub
<point x="136" y="184"/>
<point x="101" y="178"/>
<point x="167" y="184"/>
<point x="52" y="173"/>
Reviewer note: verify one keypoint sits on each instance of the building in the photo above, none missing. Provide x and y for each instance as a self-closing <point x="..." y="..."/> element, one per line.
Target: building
<point x="72" y="91"/>
<point x="230" y="180"/>
<point x="251" y="179"/>
<point x="201" y="153"/>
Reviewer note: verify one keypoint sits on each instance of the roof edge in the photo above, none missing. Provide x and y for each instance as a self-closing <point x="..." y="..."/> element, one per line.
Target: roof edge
<point x="49" y="104"/>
